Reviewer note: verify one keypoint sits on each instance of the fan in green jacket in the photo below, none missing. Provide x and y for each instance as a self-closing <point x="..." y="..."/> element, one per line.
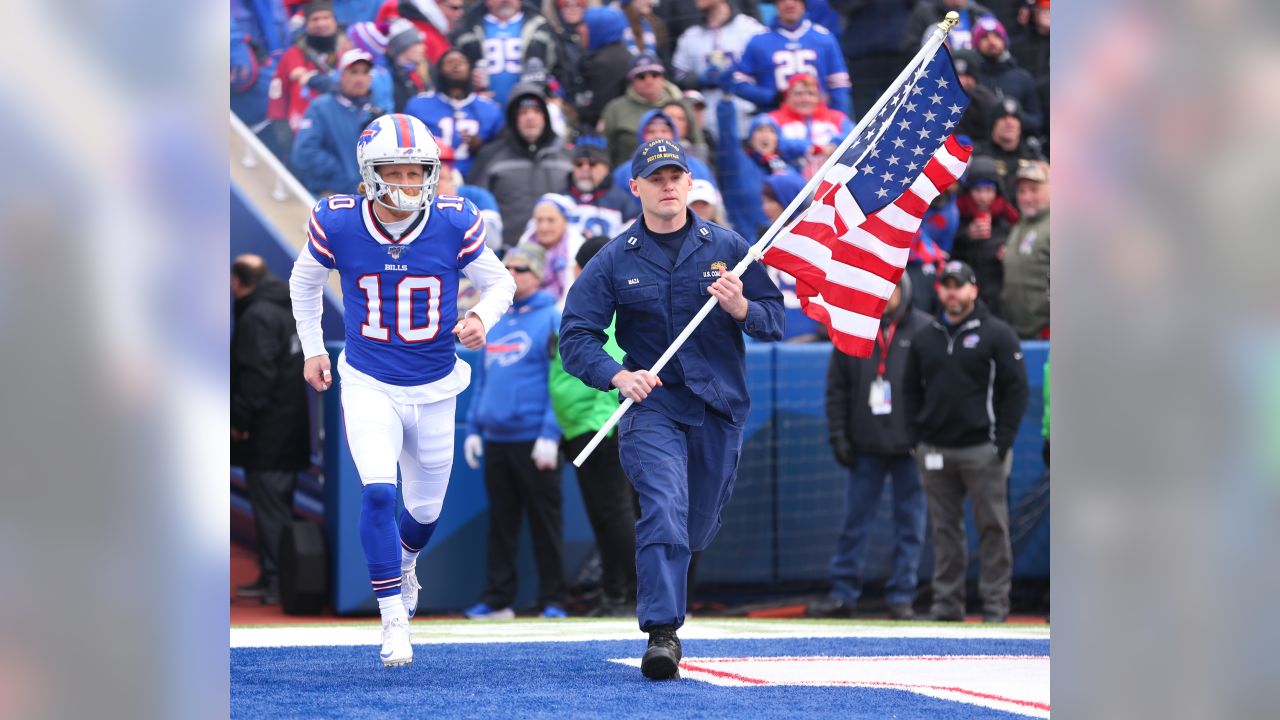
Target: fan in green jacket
<point x="606" y="493"/>
<point x="581" y="409"/>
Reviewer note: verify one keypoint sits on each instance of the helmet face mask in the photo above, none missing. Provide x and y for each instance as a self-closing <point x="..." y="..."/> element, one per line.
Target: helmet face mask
<point x="398" y="139"/>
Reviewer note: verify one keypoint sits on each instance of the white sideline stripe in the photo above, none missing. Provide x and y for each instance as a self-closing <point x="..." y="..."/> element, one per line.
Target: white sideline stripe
<point x="435" y="632"/>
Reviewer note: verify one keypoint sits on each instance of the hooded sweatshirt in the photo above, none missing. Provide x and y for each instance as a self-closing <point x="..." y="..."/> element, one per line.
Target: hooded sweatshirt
<point x="518" y="172"/>
<point x="511" y="401"/>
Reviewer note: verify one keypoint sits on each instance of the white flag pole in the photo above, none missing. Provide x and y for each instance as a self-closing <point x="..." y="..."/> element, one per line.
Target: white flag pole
<point x="757" y="251"/>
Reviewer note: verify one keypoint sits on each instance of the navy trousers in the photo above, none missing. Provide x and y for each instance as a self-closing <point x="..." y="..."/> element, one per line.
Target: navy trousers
<point x="862" y="501"/>
<point x="684" y="476"/>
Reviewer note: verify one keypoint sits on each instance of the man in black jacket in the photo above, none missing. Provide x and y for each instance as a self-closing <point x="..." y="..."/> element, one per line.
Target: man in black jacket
<point x="966" y="389"/>
<point x="526" y="161"/>
<point x="270" y="430"/>
<point x="871" y="435"/>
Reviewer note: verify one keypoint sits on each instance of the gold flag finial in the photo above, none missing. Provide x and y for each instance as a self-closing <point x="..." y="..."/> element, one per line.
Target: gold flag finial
<point x="951" y="20"/>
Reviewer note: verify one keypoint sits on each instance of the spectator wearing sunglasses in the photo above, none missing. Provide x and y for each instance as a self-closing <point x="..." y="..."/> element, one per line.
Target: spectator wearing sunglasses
<point x="512" y="431"/>
<point x="648" y="89"/>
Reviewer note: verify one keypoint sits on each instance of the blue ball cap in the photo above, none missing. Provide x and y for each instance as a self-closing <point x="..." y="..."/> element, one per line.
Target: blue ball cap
<point x="657" y="154"/>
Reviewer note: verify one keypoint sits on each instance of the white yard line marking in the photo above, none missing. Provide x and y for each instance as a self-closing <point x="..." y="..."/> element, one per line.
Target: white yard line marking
<point x="442" y="632"/>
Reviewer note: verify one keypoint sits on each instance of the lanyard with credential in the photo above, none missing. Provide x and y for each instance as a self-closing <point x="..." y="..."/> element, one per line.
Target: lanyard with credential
<point x="884" y="339"/>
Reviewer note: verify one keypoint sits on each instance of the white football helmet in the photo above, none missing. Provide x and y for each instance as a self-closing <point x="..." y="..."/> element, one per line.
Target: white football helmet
<point x="392" y="140"/>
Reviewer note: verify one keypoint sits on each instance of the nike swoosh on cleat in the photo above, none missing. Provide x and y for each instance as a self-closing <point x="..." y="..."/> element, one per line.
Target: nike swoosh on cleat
<point x="387" y="654"/>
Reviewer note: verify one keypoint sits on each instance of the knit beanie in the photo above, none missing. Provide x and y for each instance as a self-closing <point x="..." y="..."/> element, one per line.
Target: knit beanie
<point x="530" y="254"/>
<point x="368" y="37"/>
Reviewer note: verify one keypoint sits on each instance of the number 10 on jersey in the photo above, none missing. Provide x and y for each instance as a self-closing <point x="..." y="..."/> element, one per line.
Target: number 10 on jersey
<point x="406" y="290"/>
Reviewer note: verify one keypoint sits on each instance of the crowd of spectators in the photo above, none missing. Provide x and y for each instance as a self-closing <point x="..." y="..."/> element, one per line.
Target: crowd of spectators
<point x="529" y="99"/>
<point x="539" y="106"/>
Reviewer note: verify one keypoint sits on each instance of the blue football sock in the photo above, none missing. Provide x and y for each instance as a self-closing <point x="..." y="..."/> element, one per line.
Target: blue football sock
<point x="378" y="536"/>
<point x="413" y="537"/>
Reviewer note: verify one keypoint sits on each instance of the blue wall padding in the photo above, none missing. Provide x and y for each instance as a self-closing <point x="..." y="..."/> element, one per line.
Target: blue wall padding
<point x="780" y="526"/>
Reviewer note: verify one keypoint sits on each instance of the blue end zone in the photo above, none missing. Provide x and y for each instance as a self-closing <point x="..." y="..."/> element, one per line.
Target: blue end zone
<point x="555" y="679"/>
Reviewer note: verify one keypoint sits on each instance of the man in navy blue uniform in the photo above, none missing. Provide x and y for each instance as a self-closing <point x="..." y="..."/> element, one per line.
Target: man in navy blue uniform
<point x="680" y="443"/>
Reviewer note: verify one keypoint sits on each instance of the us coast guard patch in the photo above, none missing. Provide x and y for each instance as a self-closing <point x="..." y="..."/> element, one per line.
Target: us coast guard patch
<point x="719" y="266"/>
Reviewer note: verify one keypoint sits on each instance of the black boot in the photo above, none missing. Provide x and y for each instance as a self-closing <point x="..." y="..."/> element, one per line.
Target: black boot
<point x="255" y="589"/>
<point x="662" y="658"/>
<point x="830" y="607"/>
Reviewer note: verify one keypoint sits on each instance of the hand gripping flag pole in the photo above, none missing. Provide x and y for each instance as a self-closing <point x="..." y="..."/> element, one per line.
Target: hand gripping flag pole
<point x="922" y="57"/>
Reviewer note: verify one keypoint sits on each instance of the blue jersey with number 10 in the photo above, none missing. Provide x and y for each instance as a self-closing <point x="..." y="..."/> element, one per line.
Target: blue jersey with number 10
<point x="399" y="296"/>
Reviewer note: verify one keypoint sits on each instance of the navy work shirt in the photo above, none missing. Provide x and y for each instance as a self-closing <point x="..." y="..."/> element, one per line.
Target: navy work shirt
<point x="654" y="300"/>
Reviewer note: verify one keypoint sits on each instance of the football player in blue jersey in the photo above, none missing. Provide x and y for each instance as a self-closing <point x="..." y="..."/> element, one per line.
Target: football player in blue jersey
<point x="399" y="249"/>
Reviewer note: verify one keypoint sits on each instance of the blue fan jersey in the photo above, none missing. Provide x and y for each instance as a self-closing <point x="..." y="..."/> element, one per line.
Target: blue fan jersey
<point x="771" y="58"/>
<point x="450" y="121"/>
<point x="503" y="54"/>
<point x="399" y="296"/>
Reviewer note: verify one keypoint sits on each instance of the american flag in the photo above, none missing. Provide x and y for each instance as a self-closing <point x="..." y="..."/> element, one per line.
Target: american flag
<point x="848" y="249"/>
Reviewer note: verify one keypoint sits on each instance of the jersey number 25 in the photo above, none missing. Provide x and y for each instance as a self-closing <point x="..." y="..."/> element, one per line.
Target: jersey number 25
<point x="410" y="285"/>
<point x="793" y="62"/>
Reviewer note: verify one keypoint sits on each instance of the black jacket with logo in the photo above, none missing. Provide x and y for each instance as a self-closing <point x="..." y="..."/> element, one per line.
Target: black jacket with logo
<point x="849" y="390"/>
<point x="966" y="385"/>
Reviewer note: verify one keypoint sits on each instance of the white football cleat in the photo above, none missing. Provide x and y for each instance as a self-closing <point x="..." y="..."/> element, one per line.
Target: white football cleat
<point x="409" y="588"/>
<point x="397" y="648"/>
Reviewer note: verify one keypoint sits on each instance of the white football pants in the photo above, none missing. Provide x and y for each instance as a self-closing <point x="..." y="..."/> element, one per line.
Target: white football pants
<point x="381" y="431"/>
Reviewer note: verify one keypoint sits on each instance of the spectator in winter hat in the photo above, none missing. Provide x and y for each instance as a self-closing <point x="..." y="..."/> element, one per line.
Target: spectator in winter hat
<point x="742" y="166"/>
<point x="1000" y="71"/>
<point x="305" y="70"/>
<point x="435" y="19"/>
<point x="549" y="228"/>
<point x="1006" y="143"/>
<point x="370" y="37"/>
<point x="603" y="206"/>
<point x="986" y="217"/>
<point x="407" y="59"/>
<point x="604" y="65"/>
<point x="1026" y="255"/>
<point x="976" y="120"/>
